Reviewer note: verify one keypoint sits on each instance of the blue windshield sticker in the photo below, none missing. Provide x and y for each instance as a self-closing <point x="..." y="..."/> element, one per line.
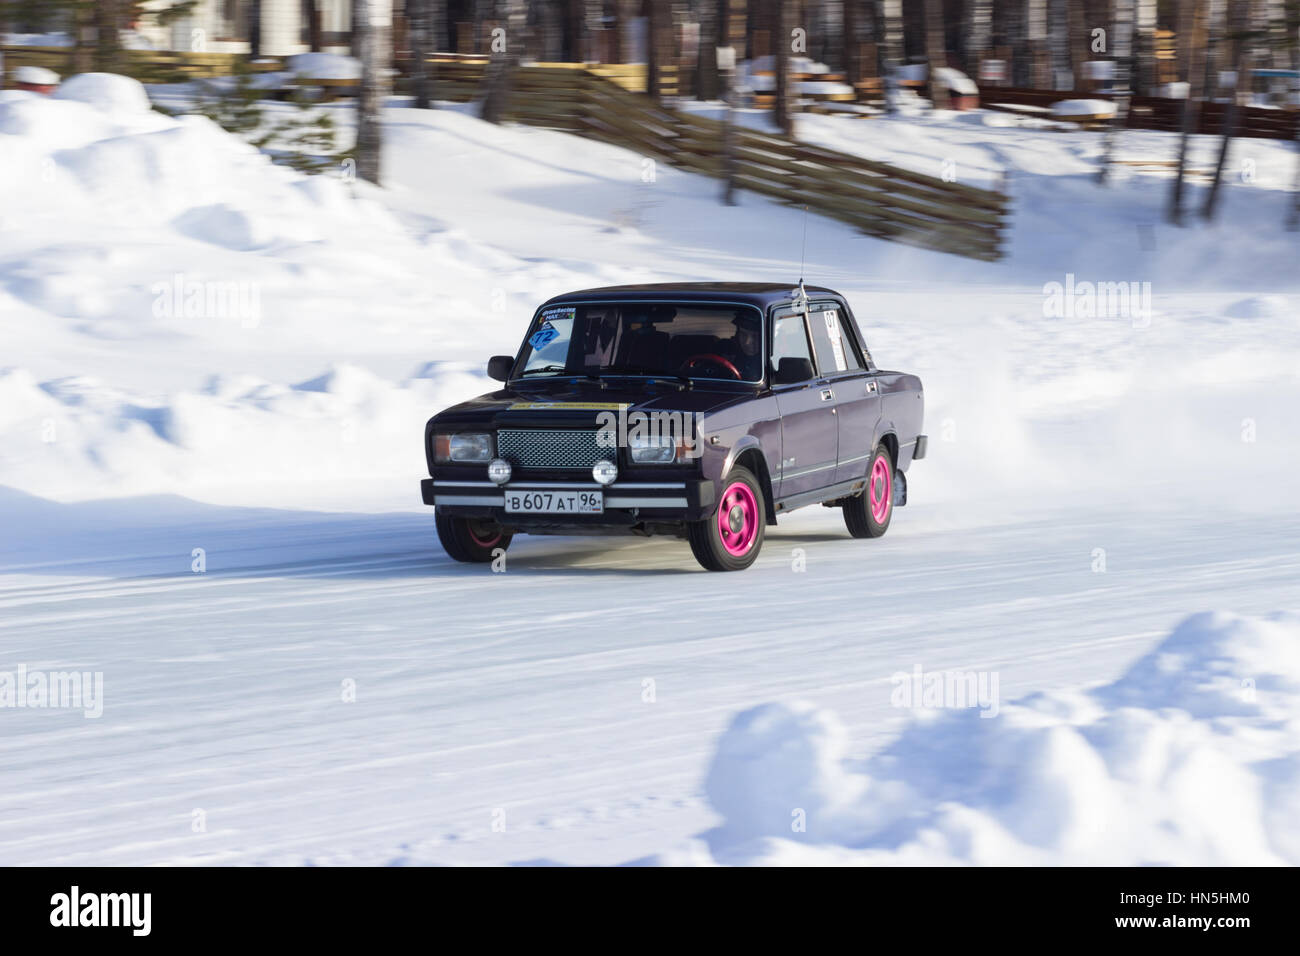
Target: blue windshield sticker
<point x="543" y="336"/>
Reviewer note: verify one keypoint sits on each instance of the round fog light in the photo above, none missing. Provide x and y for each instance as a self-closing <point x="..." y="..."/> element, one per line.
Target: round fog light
<point x="604" y="472"/>
<point x="499" y="470"/>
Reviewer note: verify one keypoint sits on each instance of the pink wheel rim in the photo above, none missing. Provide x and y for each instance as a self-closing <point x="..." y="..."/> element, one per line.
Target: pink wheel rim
<point x="738" y="519"/>
<point x="880" y="489"/>
<point x="483" y="541"/>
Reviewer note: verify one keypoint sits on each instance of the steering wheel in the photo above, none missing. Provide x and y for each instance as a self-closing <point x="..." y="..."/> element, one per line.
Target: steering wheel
<point x="715" y="359"/>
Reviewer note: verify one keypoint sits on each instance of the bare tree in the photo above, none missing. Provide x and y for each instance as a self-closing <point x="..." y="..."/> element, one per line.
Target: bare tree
<point x="108" y="35"/>
<point x="850" y="11"/>
<point x="781" y="102"/>
<point x="371" y="20"/>
<point x="1144" y="58"/>
<point x="1191" y="33"/>
<point x="255" y="28"/>
<point x="1121" y="47"/>
<point x="936" y="53"/>
<point x="978" y="31"/>
<point x="889" y="15"/>
<point x="706" y="71"/>
<point x="505" y="53"/>
<point x="420" y="28"/>
<point x="83" y="49"/>
<point x="311" y="15"/>
<point x="1075" y="16"/>
<point x="1236" y="27"/>
<point x="654" y="11"/>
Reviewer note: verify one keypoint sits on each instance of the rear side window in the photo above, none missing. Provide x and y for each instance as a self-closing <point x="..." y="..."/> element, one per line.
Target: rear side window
<point x="789" y="340"/>
<point x="835" y="352"/>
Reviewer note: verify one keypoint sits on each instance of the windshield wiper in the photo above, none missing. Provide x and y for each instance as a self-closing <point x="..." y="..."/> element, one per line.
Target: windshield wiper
<point x="563" y="371"/>
<point x="649" y="373"/>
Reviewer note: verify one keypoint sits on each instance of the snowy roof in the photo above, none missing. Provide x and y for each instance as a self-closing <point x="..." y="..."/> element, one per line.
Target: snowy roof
<point x="36" y="76"/>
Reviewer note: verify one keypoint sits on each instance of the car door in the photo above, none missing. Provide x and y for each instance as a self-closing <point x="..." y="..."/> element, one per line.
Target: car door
<point x="809" y="430"/>
<point x="857" y="394"/>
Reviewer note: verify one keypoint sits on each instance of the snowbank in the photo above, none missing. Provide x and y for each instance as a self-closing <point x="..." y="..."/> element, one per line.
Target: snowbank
<point x="1083" y="108"/>
<point x="1191" y="757"/>
<point x="324" y="66"/>
<point x="143" y="254"/>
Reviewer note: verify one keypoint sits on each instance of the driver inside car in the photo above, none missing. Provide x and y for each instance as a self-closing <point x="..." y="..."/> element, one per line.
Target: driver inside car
<point x="742" y="349"/>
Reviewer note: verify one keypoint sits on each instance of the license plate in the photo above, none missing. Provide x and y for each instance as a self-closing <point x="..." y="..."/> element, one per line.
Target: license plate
<point x="555" y="502"/>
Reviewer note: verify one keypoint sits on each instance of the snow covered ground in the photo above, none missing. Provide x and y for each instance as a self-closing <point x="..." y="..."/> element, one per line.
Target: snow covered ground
<point x="214" y="379"/>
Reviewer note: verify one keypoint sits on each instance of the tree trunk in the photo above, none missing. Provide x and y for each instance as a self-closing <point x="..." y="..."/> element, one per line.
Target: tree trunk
<point x="108" y="37"/>
<point x="654" y="11"/>
<point x="1236" y="25"/>
<point x="706" y="74"/>
<point x="849" y="38"/>
<point x="371" y="20"/>
<point x="311" y="16"/>
<point x="1079" y="48"/>
<point x="889" y="14"/>
<point x="501" y="67"/>
<point x="420" y="29"/>
<point x="83" y="49"/>
<point x="1190" y="33"/>
<point x="255" y="29"/>
<point x="1120" y="47"/>
<point x="781" y="103"/>
<point x="978" y="30"/>
<point x="1144" y="46"/>
<point x="935" y="53"/>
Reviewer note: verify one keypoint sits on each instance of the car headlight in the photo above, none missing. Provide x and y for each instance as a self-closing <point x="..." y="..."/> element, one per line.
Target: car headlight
<point x="653" y="449"/>
<point x="463" y="446"/>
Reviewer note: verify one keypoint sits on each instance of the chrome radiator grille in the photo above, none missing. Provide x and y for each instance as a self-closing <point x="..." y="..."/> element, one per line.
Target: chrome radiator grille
<point x="550" y="448"/>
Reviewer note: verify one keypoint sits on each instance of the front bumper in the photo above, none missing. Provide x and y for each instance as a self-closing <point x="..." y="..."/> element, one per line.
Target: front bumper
<point x="626" y="502"/>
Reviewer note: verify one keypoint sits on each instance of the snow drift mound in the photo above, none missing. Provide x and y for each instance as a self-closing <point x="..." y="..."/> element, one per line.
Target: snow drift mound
<point x="97" y="146"/>
<point x="1192" y="757"/>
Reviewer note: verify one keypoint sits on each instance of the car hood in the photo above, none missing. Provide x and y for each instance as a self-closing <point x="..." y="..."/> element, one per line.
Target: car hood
<point x="580" y="404"/>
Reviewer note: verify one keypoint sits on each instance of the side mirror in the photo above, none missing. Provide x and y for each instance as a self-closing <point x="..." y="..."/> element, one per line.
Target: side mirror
<point x="792" y="370"/>
<point x="499" y="367"/>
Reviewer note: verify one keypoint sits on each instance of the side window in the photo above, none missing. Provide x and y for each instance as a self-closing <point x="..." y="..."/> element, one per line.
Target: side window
<point x="789" y="340"/>
<point x="835" y="352"/>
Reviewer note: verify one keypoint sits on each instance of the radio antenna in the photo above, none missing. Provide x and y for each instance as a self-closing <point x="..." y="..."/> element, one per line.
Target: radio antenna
<point x="800" y="296"/>
<point x="803" y="245"/>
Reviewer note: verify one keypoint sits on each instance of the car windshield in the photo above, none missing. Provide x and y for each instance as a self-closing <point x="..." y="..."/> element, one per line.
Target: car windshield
<point x="680" y="340"/>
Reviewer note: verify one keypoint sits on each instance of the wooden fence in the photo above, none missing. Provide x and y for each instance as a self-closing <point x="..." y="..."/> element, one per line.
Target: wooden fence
<point x="1154" y="112"/>
<point x="147" y="66"/>
<point x="874" y="197"/>
<point x="602" y="102"/>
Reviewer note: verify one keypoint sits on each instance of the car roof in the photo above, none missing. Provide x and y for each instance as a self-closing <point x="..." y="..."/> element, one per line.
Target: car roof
<point x="761" y="294"/>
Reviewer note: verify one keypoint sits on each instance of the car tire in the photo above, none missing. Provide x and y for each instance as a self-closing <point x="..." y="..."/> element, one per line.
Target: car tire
<point x="867" y="515"/>
<point x="730" y="538"/>
<point x="472" y="540"/>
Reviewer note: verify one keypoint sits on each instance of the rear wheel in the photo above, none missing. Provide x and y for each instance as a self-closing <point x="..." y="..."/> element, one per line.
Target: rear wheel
<point x="730" y="538"/>
<point x="867" y="515"/>
<point x="470" y="539"/>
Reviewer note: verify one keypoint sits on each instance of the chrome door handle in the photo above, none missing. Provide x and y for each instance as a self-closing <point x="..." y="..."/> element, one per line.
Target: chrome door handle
<point x="827" y="394"/>
<point x="871" y="388"/>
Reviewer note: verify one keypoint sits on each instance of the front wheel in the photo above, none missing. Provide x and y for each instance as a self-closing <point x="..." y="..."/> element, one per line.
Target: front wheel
<point x="730" y="538"/>
<point x="472" y="540"/>
<point x="867" y="515"/>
